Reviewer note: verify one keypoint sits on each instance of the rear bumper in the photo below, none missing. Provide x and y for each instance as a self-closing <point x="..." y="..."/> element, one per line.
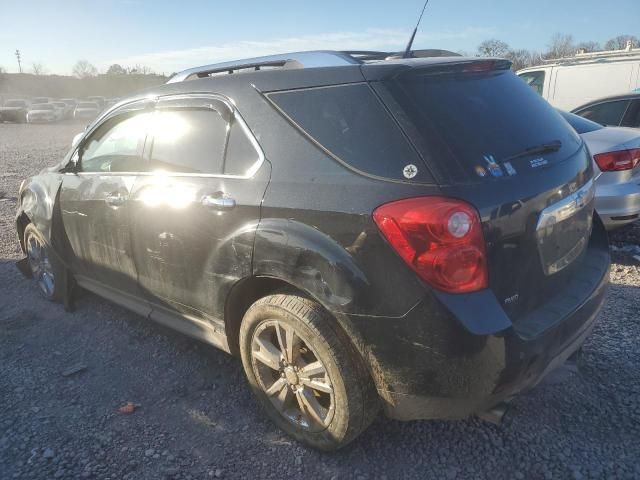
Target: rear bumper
<point x="430" y="364"/>
<point x="618" y="200"/>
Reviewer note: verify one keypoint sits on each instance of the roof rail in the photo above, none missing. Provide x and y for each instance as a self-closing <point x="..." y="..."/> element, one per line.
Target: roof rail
<point x="318" y="58"/>
<point x="311" y="59"/>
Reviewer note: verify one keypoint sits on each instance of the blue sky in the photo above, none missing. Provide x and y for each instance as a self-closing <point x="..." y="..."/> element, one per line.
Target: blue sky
<point x="168" y="36"/>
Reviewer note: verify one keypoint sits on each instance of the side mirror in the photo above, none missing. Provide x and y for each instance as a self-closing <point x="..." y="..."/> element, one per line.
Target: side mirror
<point x="76" y="139"/>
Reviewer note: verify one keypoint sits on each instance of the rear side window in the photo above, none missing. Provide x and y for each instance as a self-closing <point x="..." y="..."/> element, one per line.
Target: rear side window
<point x="351" y="123"/>
<point x="535" y="80"/>
<point x="580" y="124"/>
<point x="187" y="141"/>
<point x="472" y="123"/>
<point x="608" y="113"/>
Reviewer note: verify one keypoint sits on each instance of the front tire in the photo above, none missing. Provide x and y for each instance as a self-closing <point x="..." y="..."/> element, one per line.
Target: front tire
<point x="305" y="373"/>
<point x="46" y="269"/>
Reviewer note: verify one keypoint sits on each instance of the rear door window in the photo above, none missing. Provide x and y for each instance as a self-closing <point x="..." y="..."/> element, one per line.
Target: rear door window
<point x="351" y="124"/>
<point x="607" y="113"/>
<point x="189" y="140"/>
<point x="241" y="155"/>
<point x="472" y="123"/>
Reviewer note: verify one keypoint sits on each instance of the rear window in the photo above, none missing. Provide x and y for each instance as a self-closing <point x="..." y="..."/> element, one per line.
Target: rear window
<point x="472" y="124"/>
<point x="579" y="124"/>
<point x="351" y="123"/>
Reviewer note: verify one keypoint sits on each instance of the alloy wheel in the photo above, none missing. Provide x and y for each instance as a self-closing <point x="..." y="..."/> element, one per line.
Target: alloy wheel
<point x="292" y="376"/>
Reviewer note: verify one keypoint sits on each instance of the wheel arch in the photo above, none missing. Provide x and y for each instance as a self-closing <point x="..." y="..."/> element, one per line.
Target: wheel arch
<point x="249" y="290"/>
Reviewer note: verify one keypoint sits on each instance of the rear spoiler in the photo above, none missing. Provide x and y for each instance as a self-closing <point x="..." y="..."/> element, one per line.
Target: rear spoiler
<point x="393" y="69"/>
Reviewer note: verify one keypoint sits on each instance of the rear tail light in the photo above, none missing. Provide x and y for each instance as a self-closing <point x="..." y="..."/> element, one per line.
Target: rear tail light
<point x="618" y="161"/>
<point x="439" y="238"/>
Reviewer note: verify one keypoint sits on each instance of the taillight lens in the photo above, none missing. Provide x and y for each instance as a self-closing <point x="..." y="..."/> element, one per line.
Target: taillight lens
<point x="439" y="238"/>
<point x="618" y="161"/>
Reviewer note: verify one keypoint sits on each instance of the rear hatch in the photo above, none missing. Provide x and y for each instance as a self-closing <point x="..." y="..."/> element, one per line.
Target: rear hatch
<point x="489" y="139"/>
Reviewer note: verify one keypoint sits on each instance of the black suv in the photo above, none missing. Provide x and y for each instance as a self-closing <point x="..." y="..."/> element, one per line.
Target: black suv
<point x="413" y="234"/>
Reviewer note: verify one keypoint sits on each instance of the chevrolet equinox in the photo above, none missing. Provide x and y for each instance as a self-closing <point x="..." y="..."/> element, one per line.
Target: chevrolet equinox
<point x="363" y="231"/>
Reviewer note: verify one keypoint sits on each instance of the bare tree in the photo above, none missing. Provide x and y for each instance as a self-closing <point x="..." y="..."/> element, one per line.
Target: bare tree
<point x="521" y="58"/>
<point x="561" y="45"/>
<point x="493" y="48"/>
<point x="620" y="42"/>
<point x="38" y="68"/>
<point x="588" y="47"/>
<point x="138" y="69"/>
<point x="83" y="69"/>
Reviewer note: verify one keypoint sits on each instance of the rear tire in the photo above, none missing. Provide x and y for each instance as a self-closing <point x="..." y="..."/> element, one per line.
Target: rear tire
<point x="305" y="372"/>
<point x="46" y="269"/>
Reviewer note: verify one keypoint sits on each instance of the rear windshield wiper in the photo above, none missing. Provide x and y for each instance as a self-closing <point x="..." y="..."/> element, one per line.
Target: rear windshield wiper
<point x="548" y="147"/>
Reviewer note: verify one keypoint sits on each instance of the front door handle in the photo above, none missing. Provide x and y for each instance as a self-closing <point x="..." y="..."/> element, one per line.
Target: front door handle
<point x="116" y="200"/>
<point x="218" y="202"/>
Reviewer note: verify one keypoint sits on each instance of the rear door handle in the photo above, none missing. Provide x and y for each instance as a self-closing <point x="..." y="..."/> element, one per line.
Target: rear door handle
<point x="218" y="202"/>
<point x="116" y="200"/>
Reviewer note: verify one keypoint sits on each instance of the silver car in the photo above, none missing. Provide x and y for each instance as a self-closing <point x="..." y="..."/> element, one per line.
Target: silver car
<point x="616" y="159"/>
<point x="42" y="113"/>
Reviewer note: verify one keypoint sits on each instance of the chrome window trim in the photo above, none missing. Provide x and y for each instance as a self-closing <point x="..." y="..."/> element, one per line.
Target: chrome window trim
<point x="214" y="96"/>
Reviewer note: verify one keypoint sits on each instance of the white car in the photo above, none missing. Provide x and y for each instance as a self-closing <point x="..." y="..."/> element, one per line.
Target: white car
<point x="42" y="113"/>
<point x="616" y="161"/>
<point x="86" y="111"/>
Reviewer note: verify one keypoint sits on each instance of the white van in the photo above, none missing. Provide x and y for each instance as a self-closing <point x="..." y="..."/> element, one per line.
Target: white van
<point x="570" y="82"/>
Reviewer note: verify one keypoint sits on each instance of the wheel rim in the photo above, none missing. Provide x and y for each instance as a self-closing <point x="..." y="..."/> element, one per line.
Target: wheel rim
<point x="292" y="376"/>
<point x="40" y="266"/>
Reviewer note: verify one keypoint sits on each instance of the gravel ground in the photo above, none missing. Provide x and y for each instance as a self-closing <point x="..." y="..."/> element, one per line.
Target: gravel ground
<point x="196" y="418"/>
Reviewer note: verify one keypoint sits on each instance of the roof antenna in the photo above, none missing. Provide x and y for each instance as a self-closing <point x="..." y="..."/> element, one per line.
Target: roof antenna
<point x="407" y="52"/>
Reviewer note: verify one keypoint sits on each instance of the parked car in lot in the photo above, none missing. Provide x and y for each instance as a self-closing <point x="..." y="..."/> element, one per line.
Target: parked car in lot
<point x="569" y="82"/>
<point x="62" y="109"/>
<point x="616" y="155"/>
<point x="14" y="110"/>
<point x="42" y="113"/>
<point x="98" y="100"/>
<point x="617" y="111"/>
<point x="37" y="100"/>
<point x="361" y="235"/>
<point x="86" y="111"/>
<point x="71" y="105"/>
